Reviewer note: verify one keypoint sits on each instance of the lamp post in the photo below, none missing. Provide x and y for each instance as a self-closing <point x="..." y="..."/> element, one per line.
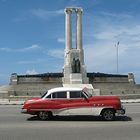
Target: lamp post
<point x="117" y="55"/>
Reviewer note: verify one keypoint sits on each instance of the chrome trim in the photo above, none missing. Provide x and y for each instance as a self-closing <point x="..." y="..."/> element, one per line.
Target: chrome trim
<point x="24" y="110"/>
<point x="121" y="111"/>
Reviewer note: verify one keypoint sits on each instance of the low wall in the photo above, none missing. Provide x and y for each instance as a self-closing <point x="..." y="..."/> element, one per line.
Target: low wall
<point x="36" y="85"/>
<point x="4" y="94"/>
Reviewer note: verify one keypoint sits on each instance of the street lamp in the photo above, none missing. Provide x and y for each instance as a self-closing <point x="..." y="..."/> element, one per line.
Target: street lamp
<point x="117" y="56"/>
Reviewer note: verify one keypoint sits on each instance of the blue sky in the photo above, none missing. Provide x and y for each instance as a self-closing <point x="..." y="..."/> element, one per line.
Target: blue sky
<point x="32" y="36"/>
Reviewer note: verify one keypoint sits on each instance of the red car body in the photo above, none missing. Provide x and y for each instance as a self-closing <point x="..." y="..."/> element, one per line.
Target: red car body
<point x="73" y="101"/>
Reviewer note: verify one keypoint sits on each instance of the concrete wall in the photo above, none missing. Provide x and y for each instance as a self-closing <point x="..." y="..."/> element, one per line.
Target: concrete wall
<point x="33" y="85"/>
<point x="31" y="89"/>
<point x="116" y="88"/>
<point x="4" y="91"/>
<point x="36" y="85"/>
<point x="40" y="80"/>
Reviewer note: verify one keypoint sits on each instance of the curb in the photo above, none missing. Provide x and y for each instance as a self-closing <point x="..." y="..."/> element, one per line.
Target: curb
<point x="131" y="101"/>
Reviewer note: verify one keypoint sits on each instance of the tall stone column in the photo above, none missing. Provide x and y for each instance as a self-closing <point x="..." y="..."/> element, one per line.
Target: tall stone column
<point x="68" y="29"/>
<point x="79" y="43"/>
<point x="79" y="29"/>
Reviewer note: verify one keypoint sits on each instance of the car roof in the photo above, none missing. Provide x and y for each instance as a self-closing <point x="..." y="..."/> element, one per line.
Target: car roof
<point x="64" y="89"/>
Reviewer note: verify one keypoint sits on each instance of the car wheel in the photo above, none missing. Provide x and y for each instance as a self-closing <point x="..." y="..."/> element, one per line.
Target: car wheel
<point x="43" y="115"/>
<point x="108" y="114"/>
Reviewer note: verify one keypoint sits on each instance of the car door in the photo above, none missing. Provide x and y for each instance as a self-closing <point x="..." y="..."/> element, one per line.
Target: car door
<point x="79" y="104"/>
<point x="57" y="103"/>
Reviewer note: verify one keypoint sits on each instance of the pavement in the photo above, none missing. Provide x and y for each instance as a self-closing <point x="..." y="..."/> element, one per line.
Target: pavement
<point x="17" y="126"/>
<point x="21" y="102"/>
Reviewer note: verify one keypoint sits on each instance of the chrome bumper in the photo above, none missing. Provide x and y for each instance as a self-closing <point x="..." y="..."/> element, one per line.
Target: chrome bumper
<point x="121" y="111"/>
<point x="23" y="110"/>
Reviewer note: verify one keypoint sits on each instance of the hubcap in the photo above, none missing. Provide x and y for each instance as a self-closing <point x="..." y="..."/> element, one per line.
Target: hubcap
<point x="43" y="115"/>
<point x="108" y="115"/>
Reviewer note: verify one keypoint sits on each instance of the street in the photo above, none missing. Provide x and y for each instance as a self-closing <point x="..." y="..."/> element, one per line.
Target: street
<point x="17" y="126"/>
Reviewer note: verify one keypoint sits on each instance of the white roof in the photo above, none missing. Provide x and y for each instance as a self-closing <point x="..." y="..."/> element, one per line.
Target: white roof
<point x="59" y="89"/>
<point x="64" y="89"/>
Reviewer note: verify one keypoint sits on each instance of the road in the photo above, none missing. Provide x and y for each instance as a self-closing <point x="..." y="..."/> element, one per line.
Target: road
<point x="17" y="126"/>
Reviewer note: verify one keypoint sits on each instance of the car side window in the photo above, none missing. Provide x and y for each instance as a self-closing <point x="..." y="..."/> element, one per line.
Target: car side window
<point x="76" y="94"/>
<point x="49" y="96"/>
<point x="59" y="95"/>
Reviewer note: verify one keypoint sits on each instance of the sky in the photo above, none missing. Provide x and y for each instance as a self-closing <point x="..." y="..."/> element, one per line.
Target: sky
<point x="32" y="36"/>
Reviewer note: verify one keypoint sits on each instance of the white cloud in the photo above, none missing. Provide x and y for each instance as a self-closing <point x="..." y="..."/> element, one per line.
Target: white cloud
<point x="30" y="72"/>
<point x="58" y="53"/>
<point x="45" y="14"/>
<point x="106" y="35"/>
<point x="61" y="40"/>
<point x="27" y="62"/>
<point x="116" y="15"/>
<point x="6" y="49"/>
<point x="39" y="13"/>
<point x="30" y="48"/>
<point x="37" y="61"/>
<point x="124" y="32"/>
<point x="26" y="49"/>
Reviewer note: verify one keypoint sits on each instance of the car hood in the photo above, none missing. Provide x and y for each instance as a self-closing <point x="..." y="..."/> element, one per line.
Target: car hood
<point x="30" y="100"/>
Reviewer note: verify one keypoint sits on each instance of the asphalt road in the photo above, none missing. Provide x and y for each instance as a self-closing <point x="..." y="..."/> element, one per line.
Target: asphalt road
<point x="17" y="126"/>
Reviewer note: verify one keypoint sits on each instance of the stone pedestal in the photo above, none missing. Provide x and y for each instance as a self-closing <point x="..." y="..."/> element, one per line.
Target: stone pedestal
<point x="75" y="78"/>
<point x="68" y="72"/>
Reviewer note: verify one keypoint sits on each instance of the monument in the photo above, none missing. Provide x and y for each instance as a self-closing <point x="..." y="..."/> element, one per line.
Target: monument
<point x="74" y="71"/>
<point x="74" y="68"/>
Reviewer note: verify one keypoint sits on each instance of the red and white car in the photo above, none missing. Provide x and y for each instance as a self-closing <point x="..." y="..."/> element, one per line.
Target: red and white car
<point x="73" y="101"/>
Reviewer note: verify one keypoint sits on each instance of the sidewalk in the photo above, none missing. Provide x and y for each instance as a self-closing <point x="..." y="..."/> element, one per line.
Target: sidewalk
<point x="8" y="102"/>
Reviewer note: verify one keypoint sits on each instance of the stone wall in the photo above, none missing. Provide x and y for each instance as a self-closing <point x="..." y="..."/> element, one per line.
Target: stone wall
<point x="36" y="85"/>
<point x="4" y="91"/>
<point x="31" y="89"/>
<point x="46" y="78"/>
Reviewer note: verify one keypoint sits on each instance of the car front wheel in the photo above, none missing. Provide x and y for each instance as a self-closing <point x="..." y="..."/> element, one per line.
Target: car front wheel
<point x="108" y="114"/>
<point x="43" y="115"/>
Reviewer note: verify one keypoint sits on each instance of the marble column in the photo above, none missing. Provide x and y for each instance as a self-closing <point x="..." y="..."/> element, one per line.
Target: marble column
<point x="79" y="43"/>
<point x="68" y="29"/>
<point x="79" y="29"/>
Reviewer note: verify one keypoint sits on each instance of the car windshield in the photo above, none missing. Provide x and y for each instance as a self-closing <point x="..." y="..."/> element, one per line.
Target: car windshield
<point x="44" y="94"/>
<point x="87" y="93"/>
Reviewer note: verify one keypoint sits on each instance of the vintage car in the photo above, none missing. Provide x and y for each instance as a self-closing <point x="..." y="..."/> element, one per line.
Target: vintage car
<point x="73" y="101"/>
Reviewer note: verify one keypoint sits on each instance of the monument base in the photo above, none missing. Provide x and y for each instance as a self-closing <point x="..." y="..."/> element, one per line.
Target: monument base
<point x="75" y="78"/>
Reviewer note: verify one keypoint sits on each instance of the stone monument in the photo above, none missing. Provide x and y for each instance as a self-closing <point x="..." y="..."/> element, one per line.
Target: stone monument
<point x="74" y="68"/>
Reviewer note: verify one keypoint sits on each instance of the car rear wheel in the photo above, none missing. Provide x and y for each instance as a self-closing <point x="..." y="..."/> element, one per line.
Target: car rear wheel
<point x="43" y="115"/>
<point x="108" y="114"/>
